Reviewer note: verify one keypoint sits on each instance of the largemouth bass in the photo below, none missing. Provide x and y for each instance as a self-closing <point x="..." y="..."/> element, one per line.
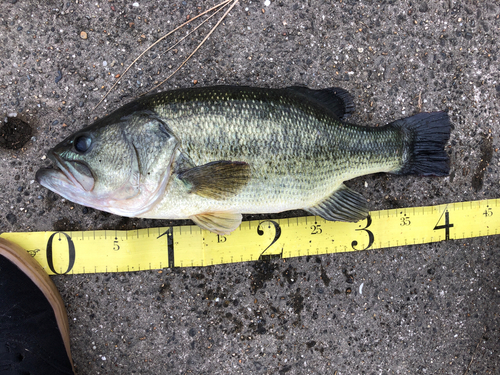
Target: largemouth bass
<point x="210" y="154"/>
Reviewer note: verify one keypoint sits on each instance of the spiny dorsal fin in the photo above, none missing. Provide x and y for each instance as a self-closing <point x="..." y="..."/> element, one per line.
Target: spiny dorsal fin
<point x="335" y="99"/>
<point x="218" y="179"/>
<point x="343" y="205"/>
<point x="218" y="222"/>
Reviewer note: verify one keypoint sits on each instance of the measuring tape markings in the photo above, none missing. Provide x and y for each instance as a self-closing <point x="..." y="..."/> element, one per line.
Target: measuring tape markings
<point x="190" y="246"/>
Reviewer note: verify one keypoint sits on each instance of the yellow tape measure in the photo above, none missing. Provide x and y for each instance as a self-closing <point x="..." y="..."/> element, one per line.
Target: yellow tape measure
<point x="190" y="246"/>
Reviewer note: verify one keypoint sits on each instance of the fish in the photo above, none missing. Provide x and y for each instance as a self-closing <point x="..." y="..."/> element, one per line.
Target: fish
<point x="211" y="154"/>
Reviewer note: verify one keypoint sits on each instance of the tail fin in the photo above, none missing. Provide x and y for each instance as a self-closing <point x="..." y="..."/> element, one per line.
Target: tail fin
<point x="426" y="135"/>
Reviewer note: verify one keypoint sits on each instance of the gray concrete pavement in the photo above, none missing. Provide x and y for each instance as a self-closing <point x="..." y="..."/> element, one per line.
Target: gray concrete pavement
<point x="427" y="309"/>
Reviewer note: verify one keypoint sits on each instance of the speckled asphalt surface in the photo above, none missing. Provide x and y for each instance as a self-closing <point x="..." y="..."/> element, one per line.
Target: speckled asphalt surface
<point x="429" y="309"/>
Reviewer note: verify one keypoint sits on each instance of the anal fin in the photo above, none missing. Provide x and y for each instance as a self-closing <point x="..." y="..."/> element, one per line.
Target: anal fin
<point x="218" y="222"/>
<point x="343" y="205"/>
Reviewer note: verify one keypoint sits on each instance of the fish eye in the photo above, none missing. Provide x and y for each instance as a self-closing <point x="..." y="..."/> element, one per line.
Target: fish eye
<point x="82" y="143"/>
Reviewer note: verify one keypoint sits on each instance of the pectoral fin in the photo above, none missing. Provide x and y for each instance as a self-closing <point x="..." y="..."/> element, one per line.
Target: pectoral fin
<point x="343" y="205"/>
<point x="218" y="222"/>
<point x="217" y="180"/>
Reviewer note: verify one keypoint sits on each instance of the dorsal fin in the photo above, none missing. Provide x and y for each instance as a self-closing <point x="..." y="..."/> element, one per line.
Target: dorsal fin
<point x="335" y="99"/>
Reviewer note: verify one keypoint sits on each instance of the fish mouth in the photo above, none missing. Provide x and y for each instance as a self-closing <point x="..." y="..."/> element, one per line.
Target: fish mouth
<point x="66" y="173"/>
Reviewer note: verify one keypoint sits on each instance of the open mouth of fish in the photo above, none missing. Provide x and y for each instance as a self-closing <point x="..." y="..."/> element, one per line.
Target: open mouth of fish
<point x="66" y="173"/>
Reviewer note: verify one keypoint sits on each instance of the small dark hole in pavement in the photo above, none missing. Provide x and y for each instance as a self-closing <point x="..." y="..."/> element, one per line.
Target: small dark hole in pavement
<point x="14" y="134"/>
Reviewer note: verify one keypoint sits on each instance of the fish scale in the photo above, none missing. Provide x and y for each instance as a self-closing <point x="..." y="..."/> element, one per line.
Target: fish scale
<point x="296" y="159"/>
